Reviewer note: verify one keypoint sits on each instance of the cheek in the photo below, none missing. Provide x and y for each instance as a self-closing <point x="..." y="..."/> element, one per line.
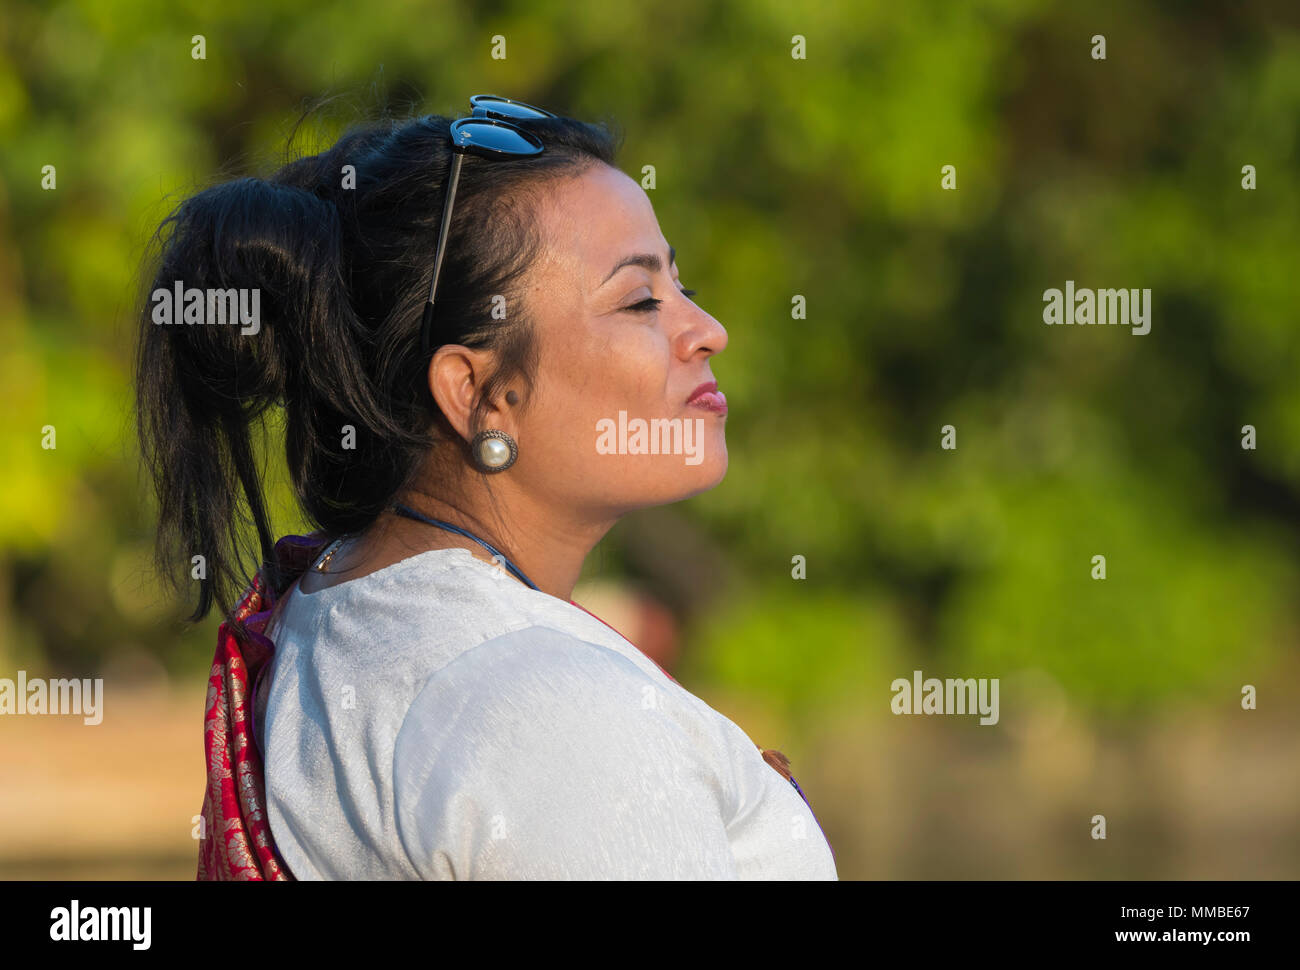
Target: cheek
<point x="613" y="367"/>
<point x="587" y="376"/>
<point x="632" y="368"/>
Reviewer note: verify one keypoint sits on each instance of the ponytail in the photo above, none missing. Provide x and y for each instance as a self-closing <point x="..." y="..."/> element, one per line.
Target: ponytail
<point x="207" y="375"/>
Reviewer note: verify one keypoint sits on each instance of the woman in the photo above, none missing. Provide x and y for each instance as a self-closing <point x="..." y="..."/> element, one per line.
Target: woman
<point x="452" y="317"/>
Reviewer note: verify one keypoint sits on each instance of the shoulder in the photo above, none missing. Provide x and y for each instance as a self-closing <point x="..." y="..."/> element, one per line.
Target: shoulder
<point x="557" y="739"/>
<point x="389" y="630"/>
<point x="545" y="685"/>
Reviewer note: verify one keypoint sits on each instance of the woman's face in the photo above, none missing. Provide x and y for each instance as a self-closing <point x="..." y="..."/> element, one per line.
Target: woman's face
<point x="614" y="382"/>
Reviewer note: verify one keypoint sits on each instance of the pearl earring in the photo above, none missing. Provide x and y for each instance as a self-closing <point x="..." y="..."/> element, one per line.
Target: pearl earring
<point x="494" y="451"/>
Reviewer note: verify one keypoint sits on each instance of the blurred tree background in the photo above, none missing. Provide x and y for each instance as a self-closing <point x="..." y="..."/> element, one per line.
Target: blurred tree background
<point x="776" y="176"/>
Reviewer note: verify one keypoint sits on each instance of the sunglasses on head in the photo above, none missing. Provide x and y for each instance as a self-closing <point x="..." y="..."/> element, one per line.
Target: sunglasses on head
<point x="487" y="133"/>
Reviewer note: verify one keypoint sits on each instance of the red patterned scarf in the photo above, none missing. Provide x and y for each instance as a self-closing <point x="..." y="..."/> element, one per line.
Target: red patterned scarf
<point x="236" y="841"/>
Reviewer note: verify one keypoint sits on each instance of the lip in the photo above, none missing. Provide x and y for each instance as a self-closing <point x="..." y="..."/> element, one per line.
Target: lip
<point x="708" y="396"/>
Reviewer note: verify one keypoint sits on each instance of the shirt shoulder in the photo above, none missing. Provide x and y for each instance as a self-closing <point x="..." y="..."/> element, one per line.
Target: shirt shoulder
<point x="540" y="755"/>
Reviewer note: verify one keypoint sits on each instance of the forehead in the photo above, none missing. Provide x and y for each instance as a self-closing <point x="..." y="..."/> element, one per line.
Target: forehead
<point x="589" y="223"/>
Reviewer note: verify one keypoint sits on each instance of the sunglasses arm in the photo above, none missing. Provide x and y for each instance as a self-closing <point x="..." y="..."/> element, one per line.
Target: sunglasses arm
<point x="426" y="325"/>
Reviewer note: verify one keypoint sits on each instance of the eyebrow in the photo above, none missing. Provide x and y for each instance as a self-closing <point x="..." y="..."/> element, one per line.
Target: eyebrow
<point x="646" y="260"/>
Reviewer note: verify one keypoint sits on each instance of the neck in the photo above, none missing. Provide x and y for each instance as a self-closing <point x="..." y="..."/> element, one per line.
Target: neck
<point x="548" y="544"/>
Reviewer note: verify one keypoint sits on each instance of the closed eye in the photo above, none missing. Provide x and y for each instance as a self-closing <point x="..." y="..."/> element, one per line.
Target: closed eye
<point x="652" y="304"/>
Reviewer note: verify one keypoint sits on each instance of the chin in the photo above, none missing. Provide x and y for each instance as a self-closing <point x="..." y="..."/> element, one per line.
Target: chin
<point x="685" y="481"/>
<point x="706" y="475"/>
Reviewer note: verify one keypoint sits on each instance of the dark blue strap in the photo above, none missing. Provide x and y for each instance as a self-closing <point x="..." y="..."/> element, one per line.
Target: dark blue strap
<point x="412" y="514"/>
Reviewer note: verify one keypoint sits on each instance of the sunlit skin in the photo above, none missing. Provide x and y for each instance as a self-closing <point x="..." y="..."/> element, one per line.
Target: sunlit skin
<point x="596" y="357"/>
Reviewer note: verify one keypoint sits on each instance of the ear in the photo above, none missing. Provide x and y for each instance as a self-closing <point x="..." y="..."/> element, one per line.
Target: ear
<point x="456" y="376"/>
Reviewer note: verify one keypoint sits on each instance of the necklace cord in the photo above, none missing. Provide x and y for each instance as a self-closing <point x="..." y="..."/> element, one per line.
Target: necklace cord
<point x="409" y="513"/>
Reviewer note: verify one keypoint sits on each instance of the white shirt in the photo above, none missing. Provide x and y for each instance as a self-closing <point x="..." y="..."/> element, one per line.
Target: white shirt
<point x="437" y="719"/>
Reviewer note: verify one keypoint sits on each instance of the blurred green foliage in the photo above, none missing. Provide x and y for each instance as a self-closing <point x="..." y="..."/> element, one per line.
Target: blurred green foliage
<point x="776" y="177"/>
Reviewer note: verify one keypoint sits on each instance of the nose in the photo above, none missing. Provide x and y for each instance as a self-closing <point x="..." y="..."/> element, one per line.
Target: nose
<point x="699" y="331"/>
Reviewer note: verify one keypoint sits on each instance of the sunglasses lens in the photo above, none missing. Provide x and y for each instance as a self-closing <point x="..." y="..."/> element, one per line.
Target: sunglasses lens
<point x="487" y="137"/>
<point x="491" y="106"/>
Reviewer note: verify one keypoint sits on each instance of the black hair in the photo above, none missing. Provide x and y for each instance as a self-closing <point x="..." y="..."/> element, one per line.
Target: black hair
<point x="343" y="274"/>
